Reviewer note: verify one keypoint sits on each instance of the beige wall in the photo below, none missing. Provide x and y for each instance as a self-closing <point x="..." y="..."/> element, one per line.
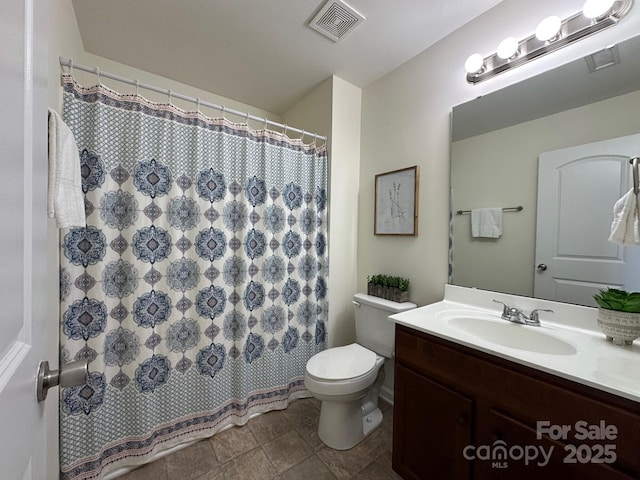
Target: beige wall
<point x="343" y="214"/>
<point x="406" y="118"/>
<point x="501" y="168"/>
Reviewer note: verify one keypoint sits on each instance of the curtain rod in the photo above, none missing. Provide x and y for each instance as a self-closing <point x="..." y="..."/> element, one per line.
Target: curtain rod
<point x="68" y="62"/>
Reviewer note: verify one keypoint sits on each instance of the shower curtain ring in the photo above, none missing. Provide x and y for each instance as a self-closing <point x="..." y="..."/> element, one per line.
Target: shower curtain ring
<point x="71" y="66"/>
<point x="285" y="129"/>
<point x="170" y="96"/>
<point x="99" y="78"/>
<point x="246" y="119"/>
<point x="302" y="136"/>
<point x="137" y="87"/>
<point x="198" y="104"/>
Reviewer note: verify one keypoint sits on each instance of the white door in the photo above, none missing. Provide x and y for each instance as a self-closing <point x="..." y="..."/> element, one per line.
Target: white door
<point x="577" y="188"/>
<point x="28" y="332"/>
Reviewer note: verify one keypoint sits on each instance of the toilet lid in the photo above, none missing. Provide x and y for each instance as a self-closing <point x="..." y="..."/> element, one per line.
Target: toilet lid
<point x="341" y="363"/>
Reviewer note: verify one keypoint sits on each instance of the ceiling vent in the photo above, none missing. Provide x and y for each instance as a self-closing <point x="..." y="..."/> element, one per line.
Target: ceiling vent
<point x="603" y="59"/>
<point x="336" y="20"/>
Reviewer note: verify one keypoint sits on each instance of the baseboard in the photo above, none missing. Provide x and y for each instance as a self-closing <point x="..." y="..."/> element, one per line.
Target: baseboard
<point x="386" y="394"/>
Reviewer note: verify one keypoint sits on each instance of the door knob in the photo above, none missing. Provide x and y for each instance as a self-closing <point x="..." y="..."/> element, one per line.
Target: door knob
<point x="542" y="267"/>
<point x="70" y="375"/>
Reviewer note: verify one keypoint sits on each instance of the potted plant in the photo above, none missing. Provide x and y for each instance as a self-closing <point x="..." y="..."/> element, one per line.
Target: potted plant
<point x="619" y="315"/>
<point x="389" y="287"/>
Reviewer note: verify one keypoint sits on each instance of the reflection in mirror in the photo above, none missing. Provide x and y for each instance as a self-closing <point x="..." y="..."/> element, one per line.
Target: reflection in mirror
<point x="497" y="141"/>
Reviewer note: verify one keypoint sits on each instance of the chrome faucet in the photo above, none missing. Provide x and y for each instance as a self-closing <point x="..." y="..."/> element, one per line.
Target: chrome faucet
<point x="516" y="315"/>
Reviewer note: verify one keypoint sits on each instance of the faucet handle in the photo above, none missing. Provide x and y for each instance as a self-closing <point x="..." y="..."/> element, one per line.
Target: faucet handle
<point x="533" y="317"/>
<point x="505" y="310"/>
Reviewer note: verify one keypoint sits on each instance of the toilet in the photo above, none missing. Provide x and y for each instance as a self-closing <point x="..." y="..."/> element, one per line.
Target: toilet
<point x="347" y="380"/>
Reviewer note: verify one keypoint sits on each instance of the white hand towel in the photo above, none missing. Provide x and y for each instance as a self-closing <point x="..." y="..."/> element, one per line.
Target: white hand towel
<point x="626" y="215"/>
<point x="486" y="222"/>
<point x="65" y="200"/>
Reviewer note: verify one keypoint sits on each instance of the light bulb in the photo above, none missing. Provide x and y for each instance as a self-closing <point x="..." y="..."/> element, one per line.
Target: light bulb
<point x="548" y="28"/>
<point x="474" y="64"/>
<point x="596" y="8"/>
<point x="508" y="48"/>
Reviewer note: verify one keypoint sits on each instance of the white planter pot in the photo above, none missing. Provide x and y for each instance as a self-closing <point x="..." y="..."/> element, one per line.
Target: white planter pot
<point x="619" y="327"/>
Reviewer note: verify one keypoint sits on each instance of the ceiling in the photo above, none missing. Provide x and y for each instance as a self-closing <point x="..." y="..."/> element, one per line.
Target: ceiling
<point x="261" y="52"/>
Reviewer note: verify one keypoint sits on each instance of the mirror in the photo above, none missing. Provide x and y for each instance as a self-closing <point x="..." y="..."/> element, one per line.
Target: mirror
<point x="496" y="140"/>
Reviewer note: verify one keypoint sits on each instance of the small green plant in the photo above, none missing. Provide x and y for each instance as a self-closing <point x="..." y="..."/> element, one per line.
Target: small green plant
<point x="620" y="300"/>
<point x="400" y="283"/>
<point x="403" y="284"/>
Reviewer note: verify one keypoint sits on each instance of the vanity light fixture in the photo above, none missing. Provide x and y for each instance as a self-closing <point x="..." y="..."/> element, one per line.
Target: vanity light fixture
<point x="551" y="34"/>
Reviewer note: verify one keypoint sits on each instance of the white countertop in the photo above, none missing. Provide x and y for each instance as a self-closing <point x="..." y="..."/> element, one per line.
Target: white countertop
<point x="595" y="362"/>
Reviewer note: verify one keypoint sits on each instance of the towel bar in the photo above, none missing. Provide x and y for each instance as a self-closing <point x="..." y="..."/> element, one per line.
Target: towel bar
<point x="505" y="209"/>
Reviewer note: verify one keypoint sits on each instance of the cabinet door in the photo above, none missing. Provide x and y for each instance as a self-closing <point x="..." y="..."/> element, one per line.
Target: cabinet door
<point x="432" y="426"/>
<point x="508" y="432"/>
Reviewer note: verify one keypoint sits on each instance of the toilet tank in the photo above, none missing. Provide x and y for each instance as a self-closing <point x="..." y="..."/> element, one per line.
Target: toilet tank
<point x="373" y="329"/>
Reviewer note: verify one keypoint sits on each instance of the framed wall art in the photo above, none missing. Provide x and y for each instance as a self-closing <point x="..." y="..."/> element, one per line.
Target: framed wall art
<point x="396" y="202"/>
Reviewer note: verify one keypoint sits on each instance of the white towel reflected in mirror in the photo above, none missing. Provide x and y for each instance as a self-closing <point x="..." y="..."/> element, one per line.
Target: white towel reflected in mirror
<point x="626" y="216"/>
<point x="486" y="222"/>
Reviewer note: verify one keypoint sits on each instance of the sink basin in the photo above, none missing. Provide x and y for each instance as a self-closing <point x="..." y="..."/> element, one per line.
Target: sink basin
<point x="512" y="335"/>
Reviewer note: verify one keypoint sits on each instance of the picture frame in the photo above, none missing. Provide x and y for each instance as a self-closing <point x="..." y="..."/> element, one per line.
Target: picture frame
<point x="396" y="202"/>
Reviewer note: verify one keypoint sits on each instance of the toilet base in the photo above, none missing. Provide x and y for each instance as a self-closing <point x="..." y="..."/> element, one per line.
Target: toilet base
<point x="344" y="424"/>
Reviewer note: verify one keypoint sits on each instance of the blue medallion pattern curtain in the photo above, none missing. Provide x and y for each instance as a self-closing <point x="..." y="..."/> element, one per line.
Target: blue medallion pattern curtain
<point x="197" y="290"/>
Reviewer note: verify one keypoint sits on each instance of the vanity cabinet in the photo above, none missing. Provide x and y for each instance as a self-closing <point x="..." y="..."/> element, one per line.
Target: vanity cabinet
<point x="455" y="406"/>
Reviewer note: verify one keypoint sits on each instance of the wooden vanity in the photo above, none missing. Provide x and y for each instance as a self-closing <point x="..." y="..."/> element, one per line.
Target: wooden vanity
<point x="450" y="400"/>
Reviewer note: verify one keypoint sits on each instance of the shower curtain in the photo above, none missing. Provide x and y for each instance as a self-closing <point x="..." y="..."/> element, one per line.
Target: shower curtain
<point x="197" y="290"/>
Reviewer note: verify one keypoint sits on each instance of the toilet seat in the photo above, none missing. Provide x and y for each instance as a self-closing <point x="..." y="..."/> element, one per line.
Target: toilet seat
<point x="341" y="363"/>
<point x="342" y="370"/>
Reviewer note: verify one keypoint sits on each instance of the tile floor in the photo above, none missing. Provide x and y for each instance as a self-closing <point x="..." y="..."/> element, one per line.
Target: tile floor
<point x="279" y="445"/>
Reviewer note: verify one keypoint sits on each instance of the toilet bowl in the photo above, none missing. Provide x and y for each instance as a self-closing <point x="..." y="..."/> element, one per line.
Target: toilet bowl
<point x="347" y="380"/>
<point x="341" y="378"/>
